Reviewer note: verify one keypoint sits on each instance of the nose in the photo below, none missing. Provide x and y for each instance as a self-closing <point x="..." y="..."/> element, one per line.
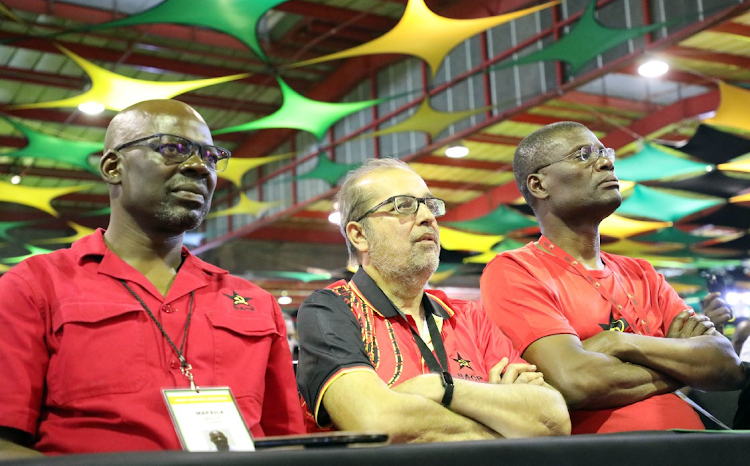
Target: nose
<point x="424" y="214"/>
<point x="604" y="163"/>
<point x="195" y="163"/>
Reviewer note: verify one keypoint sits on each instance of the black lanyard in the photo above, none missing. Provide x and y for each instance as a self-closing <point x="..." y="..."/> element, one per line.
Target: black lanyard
<point x="439" y="364"/>
<point x="185" y="368"/>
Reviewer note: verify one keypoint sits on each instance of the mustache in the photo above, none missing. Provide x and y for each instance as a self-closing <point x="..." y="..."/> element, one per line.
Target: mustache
<point x="428" y="234"/>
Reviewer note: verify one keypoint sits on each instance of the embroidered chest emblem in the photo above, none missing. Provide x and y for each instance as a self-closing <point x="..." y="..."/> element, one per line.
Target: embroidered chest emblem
<point x="239" y="302"/>
<point x="462" y="363"/>
<point x="619" y="325"/>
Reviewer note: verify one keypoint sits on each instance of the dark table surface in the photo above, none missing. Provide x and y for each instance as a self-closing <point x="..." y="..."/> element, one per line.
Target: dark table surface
<point x="642" y="448"/>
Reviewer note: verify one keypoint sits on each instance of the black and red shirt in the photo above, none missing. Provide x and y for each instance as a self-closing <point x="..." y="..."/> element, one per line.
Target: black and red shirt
<point x="353" y="326"/>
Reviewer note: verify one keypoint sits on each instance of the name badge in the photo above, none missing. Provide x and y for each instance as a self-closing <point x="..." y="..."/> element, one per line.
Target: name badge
<point x="208" y="420"/>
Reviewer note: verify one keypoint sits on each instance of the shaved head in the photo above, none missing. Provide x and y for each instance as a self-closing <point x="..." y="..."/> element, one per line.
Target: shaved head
<point x="144" y="118"/>
<point x="146" y="189"/>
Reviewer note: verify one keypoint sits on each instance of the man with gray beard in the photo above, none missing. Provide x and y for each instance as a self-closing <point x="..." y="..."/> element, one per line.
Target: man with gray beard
<point x="381" y="353"/>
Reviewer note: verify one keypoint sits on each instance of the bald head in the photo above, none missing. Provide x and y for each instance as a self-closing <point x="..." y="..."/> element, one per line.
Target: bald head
<point x="149" y="117"/>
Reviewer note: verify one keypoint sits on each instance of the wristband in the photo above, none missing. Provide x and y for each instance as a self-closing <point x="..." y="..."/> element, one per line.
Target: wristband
<point x="448" y="385"/>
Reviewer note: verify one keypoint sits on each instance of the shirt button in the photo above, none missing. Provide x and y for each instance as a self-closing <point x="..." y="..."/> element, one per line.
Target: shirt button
<point x="575" y="263"/>
<point x="174" y="364"/>
<point x="596" y="284"/>
<point x="169" y="309"/>
<point x="619" y="306"/>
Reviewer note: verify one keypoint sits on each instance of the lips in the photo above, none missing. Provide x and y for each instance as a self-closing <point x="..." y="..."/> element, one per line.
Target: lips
<point x="191" y="192"/>
<point x="429" y="236"/>
<point x="610" y="181"/>
<point x="192" y="188"/>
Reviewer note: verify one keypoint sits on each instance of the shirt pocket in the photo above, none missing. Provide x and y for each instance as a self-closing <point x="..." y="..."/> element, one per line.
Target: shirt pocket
<point x="243" y="345"/>
<point x="100" y="351"/>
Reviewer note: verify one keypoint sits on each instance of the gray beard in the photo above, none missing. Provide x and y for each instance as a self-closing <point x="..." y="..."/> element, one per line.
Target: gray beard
<point x="410" y="275"/>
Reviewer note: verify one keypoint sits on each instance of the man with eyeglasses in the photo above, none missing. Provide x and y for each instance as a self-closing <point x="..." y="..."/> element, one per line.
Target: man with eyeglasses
<point x="606" y="330"/>
<point x="93" y="333"/>
<point x="379" y="353"/>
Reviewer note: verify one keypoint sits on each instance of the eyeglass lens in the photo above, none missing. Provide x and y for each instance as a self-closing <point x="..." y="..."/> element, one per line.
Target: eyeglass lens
<point x="180" y="149"/>
<point x="589" y="152"/>
<point x="409" y="205"/>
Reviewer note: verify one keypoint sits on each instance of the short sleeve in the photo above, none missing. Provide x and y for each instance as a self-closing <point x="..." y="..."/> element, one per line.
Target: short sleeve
<point x="23" y="352"/>
<point x="282" y="413"/>
<point x="330" y="344"/>
<point x="519" y="300"/>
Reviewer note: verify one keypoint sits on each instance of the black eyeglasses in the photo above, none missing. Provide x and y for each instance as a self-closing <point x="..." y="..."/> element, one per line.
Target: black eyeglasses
<point x="404" y="204"/>
<point x="585" y="155"/>
<point x="176" y="149"/>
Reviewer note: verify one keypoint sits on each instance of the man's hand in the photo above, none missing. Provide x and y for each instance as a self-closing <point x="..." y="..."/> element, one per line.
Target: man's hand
<point x="686" y="325"/>
<point x="515" y="373"/>
<point x="717" y="310"/>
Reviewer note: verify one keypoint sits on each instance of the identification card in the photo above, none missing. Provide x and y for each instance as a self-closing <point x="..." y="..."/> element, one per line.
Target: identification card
<point x="208" y="420"/>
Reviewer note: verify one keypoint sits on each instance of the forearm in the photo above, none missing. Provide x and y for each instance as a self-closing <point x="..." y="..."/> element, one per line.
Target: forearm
<point x="707" y="362"/>
<point x="513" y="410"/>
<point x="604" y="381"/>
<point x="11" y="451"/>
<point x="419" y="419"/>
<point x="360" y="401"/>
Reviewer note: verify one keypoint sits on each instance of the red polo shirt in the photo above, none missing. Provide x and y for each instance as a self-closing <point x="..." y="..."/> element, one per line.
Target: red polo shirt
<point x="353" y="326"/>
<point x="531" y="294"/>
<point x="83" y="363"/>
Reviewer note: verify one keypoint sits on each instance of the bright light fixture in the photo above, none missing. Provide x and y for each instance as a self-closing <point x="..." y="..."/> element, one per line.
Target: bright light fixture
<point x="284" y="299"/>
<point x="15" y="179"/>
<point x="653" y="68"/>
<point x="91" y="108"/>
<point x="335" y="217"/>
<point x="457" y="151"/>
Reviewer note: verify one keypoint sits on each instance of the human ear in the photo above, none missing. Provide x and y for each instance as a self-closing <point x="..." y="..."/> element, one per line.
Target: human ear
<point x="535" y="185"/>
<point x="355" y="233"/>
<point x="109" y="167"/>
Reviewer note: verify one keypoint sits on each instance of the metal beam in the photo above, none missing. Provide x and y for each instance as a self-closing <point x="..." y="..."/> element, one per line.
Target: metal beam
<point x="687" y="108"/>
<point x="465" y="163"/>
<point x="709" y="56"/>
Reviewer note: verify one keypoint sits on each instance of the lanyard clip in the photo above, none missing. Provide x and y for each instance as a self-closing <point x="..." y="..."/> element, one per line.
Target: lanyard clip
<point x="185" y="369"/>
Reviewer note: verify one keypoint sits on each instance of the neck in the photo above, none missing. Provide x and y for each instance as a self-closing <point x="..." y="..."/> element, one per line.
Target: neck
<point x="151" y="254"/>
<point x="405" y="294"/>
<point x="581" y="241"/>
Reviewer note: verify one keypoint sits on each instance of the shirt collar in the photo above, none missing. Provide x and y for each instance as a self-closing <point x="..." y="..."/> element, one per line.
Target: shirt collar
<point x="94" y="245"/>
<point x="381" y="304"/>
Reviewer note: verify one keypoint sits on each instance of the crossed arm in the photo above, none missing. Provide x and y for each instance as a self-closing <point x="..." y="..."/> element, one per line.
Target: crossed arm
<point x="517" y="404"/>
<point x="14" y="444"/>
<point x="614" y="368"/>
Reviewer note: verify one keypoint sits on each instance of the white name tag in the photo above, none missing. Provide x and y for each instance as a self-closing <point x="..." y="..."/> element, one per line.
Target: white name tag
<point x="208" y="420"/>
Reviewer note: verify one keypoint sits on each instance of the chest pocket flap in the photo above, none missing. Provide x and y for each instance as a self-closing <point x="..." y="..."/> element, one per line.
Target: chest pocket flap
<point x="91" y="313"/>
<point x="243" y="325"/>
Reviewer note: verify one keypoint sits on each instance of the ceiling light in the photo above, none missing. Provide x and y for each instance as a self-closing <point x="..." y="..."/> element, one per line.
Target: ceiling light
<point x="653" y="68"/>
<point x="15" y="179"/>
<point x="457" y="151"/>
<point x="91" y="108"/>
<point x="335" y="217"/>
<point x="284" y="299"/>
